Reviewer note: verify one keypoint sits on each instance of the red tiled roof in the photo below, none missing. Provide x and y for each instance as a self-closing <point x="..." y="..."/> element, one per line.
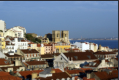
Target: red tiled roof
<point x="7" y="76"/>
<point x="75" y="71"/>
<point x="35" y="62"/>
<point x="38" y="45"/>
<point x="47" y="44"/>
<point x="105" y="76"/>
<point x="85" y="78"/>
<point x="57" y="70"/>
<point x="3" y="62"/>
<point x="31" y="43"/>
<point x="26" y="73"/>
<point x="106" y="60"/>
<point x="26" y="51"/>
<point x="15" y="55"/>
<point x="80" y="55"/>
<point x="85" y="69"/>
<point x="23" y="41"/>
<point x="56" y="76"/>
<point x="70" y="49"/>
<point x="104" y="53"/>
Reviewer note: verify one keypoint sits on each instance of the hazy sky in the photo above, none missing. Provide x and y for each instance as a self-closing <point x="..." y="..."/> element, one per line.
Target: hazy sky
<point x="89" y="19"/>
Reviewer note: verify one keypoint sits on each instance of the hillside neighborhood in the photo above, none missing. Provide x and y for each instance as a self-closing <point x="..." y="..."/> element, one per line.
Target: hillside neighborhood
<point x="28" y="56"/>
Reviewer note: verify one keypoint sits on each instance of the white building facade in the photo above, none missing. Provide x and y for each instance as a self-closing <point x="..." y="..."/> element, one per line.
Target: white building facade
<point x="2" y="25"/>
<point x="17" y="31"/>
<point x="13" y="45"/>
<point x="86" y="46"/>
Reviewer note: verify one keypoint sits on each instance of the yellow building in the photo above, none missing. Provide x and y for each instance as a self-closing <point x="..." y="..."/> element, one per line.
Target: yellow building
<point x="102" y="48"/>
<point x="38" y="47"/>
<point x="32" y="45"/>
<point x="60" y="47"/>
<point x="42" y="49"/>
<point x="2" y="41"/>
<point x="45" y="40"/>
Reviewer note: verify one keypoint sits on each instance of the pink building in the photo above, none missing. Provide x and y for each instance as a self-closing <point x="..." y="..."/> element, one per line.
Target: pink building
<point x="49" y="48"/>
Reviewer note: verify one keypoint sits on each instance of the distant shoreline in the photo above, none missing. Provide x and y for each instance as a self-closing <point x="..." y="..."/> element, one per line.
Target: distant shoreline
<point x="86" y="39"/>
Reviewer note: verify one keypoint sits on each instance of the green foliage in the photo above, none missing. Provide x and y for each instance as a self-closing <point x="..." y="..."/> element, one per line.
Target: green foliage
<point x="31" y="38"/>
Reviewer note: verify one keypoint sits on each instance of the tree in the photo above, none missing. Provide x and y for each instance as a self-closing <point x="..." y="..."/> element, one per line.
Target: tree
<point x="31" y="38"/>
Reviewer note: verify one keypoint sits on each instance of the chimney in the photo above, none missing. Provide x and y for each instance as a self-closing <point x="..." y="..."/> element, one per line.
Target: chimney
<point x="42" y="45"/>
<point x="34" y="75"/>
<point x="88" y="75"/>
<point x="38" y="60"/>
<point x="71" y="58"/>
<point x="110" y="72"/>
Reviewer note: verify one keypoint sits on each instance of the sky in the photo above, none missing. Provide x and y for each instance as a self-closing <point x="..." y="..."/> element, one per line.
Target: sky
<point x="86" y="19"/>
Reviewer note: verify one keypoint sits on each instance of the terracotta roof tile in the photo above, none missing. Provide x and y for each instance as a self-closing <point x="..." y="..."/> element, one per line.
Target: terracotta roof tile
<point x="55" y="76"/>
<point x="35" y="62"/>
<point x="38" y="45"/>
<point x="85" y="78"/>
<point x="85" y="69"/>
<point x="3" y="62"/>
<point x="7" y="76"/>
<point x="105" y="76"/>
<point x="26" y="73"/>
<point x="104" y="53"/>
<point x="57" y="70"/>
<point x="27" y="51"/>
<point x="75" y="71"/>
<point x="80" y="55"/>
<point x="15" y="55"/>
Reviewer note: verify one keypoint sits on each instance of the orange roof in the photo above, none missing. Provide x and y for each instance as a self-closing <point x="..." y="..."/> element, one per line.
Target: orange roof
<point x="76" y="77"/>
<point x="105" y="76"/>
<point x="38" y="45"/>
<point x="35" y="62"/>
<point x="3" y="62"/>
<point x="7" y="76"/>
<point x="85" y="78"/>
<point x="47" y="44"/>
<point x="57" y="70"/>
<point x="26" y="73"/>
<point x="31" y="43"/>
<point x="84" y="69"/>
<point x="70" y="49"/>
<point x="74" y="71"/>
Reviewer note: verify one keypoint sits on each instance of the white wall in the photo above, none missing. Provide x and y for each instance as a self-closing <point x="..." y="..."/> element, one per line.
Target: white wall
<point x="9" y="33"/>
<point x="18" y="31"/>
<point x="17" y="44"/>
<point x="2" y="25"/>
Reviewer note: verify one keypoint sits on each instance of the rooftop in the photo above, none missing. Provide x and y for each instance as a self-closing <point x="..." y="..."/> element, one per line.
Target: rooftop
<point x="80" y="55"/>
<point x="27" y="51"/>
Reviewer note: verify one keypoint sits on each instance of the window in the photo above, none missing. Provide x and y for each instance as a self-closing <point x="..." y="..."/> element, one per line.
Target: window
<point x="65" y="35"/>
<point x="61" y="58"/>
<point x="76" y="57"/>
<point x="57" y="35"/>
<point x="21" y="69"/>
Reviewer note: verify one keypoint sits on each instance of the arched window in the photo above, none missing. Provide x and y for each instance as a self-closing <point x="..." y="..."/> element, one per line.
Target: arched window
<point x="57" y="35"/>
